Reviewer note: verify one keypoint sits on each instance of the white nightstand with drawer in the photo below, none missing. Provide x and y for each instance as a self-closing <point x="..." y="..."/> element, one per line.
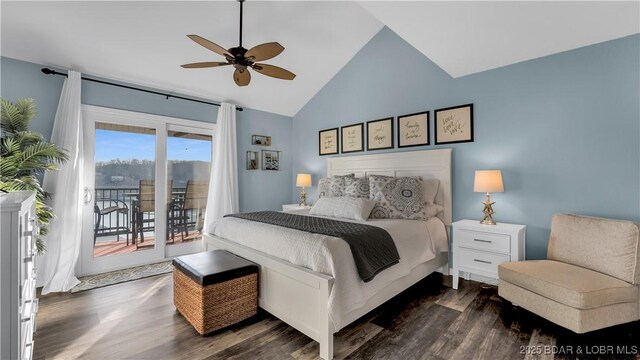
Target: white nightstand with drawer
<point x="479" y="249"/>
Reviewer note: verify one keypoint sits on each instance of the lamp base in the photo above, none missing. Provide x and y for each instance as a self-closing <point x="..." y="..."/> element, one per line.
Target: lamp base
<point x="488" y="211"/>
<point x="303" y="198"/>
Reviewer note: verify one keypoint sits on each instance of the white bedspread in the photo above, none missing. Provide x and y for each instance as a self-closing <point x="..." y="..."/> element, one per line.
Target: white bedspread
<point x="417" y="242"/>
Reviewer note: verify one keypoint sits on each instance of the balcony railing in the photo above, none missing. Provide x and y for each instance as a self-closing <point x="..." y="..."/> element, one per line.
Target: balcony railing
<point x="119" y="222"/>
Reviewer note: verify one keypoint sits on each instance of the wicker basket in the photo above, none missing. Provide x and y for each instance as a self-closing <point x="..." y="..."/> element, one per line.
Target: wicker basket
<point x="215" y="306"/>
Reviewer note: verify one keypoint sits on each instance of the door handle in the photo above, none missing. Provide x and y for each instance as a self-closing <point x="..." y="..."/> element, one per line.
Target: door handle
<point x="88" y="196"/>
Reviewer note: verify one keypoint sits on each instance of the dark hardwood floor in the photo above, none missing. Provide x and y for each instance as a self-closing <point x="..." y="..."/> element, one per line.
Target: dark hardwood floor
<point x="137" y="320"/>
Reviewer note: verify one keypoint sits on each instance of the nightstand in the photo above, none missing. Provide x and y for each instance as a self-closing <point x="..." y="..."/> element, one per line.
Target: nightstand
<point x="479" y="249"/>
<point x="294" y="207"/>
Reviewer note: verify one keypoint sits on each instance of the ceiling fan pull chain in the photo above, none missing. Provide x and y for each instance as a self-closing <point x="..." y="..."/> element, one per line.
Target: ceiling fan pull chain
<point x="241" y="3"/>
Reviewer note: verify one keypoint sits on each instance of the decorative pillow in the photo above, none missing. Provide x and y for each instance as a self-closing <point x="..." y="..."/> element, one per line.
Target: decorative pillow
<point x="343" y="207"/>
<point x="324" y="187"/>
<point x="397" y="197"/>
<point x="357" y="187"/>
<point x="338" y="184"/>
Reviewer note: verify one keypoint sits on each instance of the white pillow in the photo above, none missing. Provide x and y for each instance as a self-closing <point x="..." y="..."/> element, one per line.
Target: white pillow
<point x="343" y="207"/>
<point x="434" y="210"/>
<point x="431" y="186"/>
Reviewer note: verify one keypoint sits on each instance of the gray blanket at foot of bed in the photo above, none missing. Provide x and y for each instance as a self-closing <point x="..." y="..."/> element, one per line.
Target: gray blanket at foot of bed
<point x="373" y="248"/>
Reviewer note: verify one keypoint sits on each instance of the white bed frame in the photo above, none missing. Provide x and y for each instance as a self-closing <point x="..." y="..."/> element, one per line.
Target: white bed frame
<point x="299" y="296"/>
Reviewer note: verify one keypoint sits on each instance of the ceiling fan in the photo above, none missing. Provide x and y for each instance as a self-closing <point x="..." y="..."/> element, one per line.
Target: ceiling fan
<point x="243" y="59"/>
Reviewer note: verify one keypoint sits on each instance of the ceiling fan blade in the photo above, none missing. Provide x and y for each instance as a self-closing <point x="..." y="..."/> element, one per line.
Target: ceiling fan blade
<point x="242" y="77"/>
<point x="210" y="45"/>
<point x="264" y="51"/>
<point x="206" y="64"/>
<point x="274" y="71"/>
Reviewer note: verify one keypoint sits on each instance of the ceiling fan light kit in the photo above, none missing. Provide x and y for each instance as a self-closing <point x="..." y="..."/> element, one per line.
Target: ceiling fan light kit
<point x="243" y="59"/>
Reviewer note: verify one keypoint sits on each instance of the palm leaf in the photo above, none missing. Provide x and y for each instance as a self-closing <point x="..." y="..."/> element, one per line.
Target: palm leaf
<point x="25" y="154"/>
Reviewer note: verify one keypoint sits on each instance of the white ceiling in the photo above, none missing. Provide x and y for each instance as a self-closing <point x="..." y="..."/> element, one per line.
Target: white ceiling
<point x="465" y="37"/>
<point x="145" y="42"/>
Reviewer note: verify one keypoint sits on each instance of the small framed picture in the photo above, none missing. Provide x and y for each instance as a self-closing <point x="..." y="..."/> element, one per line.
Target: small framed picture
<point x="261" y="140"/>
<point x="352" y="138"/>
<point x="413" y="129"/>
<point x="454" y="124"/>
<point x="380" y="134"/>
<point x="328" y="141"/>
<point x="252" y="160"/>
<point x="270" y="160"/>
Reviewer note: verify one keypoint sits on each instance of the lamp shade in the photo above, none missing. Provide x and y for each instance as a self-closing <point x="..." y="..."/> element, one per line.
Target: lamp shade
<point x="488" y="181"/>
<point x="303" y="180"/>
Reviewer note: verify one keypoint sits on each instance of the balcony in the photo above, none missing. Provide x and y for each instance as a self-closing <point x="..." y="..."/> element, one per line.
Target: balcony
<point x="119" y="229"/>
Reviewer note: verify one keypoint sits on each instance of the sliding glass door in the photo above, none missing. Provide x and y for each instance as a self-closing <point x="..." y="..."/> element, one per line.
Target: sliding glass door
<point x="188" y="171"/>
<point x="146" y="180"/>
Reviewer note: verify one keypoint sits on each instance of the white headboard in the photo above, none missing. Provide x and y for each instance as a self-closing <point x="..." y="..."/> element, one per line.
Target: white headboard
<point x="425" y="163"/>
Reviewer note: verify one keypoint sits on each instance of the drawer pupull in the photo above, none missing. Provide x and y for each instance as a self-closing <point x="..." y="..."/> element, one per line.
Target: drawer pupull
<point x="484" y="241"/>
<point x="28" y="259"/>
<point x="25" y="319"/>
<point x="482" y="261"/>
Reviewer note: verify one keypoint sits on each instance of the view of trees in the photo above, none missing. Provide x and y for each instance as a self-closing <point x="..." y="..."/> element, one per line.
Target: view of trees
<point x="128" y="173"/>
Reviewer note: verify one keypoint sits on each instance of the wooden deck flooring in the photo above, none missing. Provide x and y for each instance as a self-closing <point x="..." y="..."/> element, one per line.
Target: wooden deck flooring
<point x="114" y="247"/>
<point x="137" y="320"/>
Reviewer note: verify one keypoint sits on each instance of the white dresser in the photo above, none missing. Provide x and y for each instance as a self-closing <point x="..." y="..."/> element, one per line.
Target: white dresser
<point x="18" y="303"/>
<point x="479" y="249"/>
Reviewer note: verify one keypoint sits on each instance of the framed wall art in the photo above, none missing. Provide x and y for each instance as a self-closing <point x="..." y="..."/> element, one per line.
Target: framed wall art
<point x="413" y="129"/>
<point x="252" y="160"/>
<point x="352" y="137"/>
<point x="380" y="134"/>
<point x="271" y="160"/>
<point x="454" y="124"/>
<point x="261" y="140"/>
<point x="328" y="141"/>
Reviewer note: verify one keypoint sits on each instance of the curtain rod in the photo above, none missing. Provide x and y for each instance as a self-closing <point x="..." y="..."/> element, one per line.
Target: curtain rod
<point x="48" y="71"/>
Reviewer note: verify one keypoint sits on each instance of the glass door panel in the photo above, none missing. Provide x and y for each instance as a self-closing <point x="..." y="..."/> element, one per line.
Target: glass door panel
<point x="125" y="169"/>
<point x="188" y="172"/>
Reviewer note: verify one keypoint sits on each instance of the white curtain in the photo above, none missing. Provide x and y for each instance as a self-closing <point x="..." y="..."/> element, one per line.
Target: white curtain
<point x="66" y="187"/>
<point x="223" y="184"/>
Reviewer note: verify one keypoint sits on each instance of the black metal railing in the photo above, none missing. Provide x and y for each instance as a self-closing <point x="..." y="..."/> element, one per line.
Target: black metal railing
<point x="119" y="222"/>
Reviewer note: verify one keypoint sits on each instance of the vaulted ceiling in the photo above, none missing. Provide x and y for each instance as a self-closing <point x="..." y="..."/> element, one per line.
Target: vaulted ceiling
<point x="144" y="42"/>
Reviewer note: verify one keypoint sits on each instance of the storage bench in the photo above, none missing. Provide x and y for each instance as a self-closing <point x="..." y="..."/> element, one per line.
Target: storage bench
<point x="214" y="289"/>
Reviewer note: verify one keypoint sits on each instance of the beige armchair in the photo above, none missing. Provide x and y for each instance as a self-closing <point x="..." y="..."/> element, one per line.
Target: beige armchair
<point x="590" y="280"/>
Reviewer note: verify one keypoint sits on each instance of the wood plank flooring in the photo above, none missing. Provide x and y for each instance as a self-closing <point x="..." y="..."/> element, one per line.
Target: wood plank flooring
<point x="106" y="248"/>
<point x="137" y="320"/>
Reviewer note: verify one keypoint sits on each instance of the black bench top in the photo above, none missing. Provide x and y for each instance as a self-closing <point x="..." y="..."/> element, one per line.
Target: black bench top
<point x="215" y="266"/>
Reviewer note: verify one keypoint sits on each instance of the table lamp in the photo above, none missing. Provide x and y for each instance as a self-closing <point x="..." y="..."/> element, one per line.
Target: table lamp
<point x="488" y="181"/>
<point x="303" y="181"/>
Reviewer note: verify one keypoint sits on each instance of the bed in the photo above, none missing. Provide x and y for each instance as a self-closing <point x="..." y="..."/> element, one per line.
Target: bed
<point x="313" y="286"/>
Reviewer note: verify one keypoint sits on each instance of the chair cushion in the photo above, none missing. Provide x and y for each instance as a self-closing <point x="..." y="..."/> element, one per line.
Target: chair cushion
<point x="212" y="267"/>
<point x="604" y="245"/>
<point x="568" y="284"/>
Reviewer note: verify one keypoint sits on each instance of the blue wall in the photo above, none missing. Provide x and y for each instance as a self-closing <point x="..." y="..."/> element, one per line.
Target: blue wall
<point x="22" y="80"/>
<point x="564" y="128"/>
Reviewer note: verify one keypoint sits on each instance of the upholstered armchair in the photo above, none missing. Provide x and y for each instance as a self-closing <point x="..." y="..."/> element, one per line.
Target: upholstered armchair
<point x="590" y="279"/>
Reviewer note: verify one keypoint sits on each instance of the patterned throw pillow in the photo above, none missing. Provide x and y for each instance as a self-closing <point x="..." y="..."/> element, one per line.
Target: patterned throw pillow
<point x="338" y="184"/>
<point x="333" y="186"/>
<point x="357" y="188"/>
<point x="324" y="187"/>
<point x="397" y="198"/>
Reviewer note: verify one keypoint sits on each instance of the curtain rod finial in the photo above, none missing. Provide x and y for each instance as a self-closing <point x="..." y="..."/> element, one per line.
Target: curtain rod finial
<point x="47" y="71"/>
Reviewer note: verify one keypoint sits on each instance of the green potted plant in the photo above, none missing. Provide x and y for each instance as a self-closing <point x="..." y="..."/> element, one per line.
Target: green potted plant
<point x="25" y="156"/>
